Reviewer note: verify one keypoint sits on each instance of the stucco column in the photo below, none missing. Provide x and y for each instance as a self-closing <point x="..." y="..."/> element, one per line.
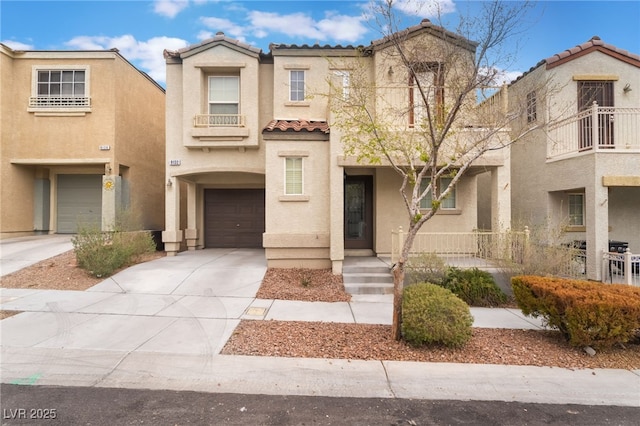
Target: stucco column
<point x="111" y="189"/>
<point x="597" y="221"/>
<point x="172" y="235"/>
<point x="336" y="202"/>
<point x="191" y="233"/>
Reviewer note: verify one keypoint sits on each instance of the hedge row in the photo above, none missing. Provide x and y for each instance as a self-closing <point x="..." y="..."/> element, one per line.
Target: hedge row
<point x="587" y="313"/>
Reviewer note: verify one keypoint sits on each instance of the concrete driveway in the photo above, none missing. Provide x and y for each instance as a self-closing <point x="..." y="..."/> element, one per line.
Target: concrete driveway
<point x="18" y="253"/>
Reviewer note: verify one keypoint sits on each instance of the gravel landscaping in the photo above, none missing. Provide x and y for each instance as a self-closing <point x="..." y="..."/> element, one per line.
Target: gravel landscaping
<point x="348" y="341"/>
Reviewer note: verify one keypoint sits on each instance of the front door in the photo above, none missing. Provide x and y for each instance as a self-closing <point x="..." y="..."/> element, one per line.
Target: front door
<point x="358" y="212"/>
<point x="600" y="92"/>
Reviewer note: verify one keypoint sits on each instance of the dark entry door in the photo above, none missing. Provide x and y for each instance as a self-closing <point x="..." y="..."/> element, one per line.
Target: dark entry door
<point x="358" y="212"/>
<point x="600" y="92"/>
<point x="233" y="217"/>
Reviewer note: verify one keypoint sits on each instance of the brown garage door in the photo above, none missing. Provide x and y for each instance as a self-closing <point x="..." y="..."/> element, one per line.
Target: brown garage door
<point x="233" y="217"/>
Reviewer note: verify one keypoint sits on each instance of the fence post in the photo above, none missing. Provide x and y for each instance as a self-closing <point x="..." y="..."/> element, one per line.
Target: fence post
<point x="525" y="248"/>
<point x="627" y="267"/>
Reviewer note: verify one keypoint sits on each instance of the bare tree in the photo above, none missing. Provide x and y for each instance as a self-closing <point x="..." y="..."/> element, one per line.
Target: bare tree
<point x="440" y="72"/>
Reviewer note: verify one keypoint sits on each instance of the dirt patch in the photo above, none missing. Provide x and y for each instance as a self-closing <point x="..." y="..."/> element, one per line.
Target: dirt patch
<point x="309" y="285"/>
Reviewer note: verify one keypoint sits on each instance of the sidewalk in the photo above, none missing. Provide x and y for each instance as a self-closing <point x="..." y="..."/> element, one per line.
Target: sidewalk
<point x="162" y="324"/>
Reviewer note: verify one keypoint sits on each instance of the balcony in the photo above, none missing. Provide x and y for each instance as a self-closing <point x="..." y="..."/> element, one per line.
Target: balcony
<point x="218" y="131"/>
<point x="598" y="129"/>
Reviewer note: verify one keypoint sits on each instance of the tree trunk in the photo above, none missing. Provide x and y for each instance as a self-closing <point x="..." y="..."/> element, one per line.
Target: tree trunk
<point x="398" y="285"/>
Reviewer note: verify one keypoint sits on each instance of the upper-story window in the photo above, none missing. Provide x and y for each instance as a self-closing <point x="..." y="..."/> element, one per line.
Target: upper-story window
<point x="296" y="85"/>
<point x="224" y="101"/>
<point x="344" y="78"/>
<point x="59" y="87"/>
<point x="426" y="88"/>
<point x="532" y="107"/>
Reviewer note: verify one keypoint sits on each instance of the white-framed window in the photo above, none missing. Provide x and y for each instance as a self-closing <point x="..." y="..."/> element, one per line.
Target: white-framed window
<point x="344" y="77"/>
<point x="293" y="176"/>
<point x="449" y="203"/>
<point x="224" y="100"/>
<point x="576" y="210"/>
<point x="60" y="87"/>
<point x="428" y="76"/>
<point x="532" y="107"/>
<point x="296" y="85"/>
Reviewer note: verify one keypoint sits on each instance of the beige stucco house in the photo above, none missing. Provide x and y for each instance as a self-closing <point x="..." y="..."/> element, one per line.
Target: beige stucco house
<point x="254" y="158"/>
<point x="82" y="136"/>
<point x="580" y="171"/>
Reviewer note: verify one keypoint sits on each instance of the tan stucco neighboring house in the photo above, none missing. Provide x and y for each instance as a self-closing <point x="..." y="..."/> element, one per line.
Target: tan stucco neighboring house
<point x="82" y="137"/>
<point x="580" y="171"/>
<point x="254" y="160"/>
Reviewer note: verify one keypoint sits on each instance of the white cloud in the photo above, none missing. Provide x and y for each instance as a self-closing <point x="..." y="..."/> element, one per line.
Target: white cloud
<point x="292" y="25"/>
<point x="343" y="27"/>
<point x="146" y="55"/>
<point x="169" y="8"/>
<point x="332" y="27"/>
<point x="16" y="45"/>
<point x="228" y="27"/>
<point x="426" y="9"/>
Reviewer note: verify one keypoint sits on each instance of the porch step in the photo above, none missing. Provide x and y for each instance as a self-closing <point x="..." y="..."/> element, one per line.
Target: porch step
<point x="366" y="275"/>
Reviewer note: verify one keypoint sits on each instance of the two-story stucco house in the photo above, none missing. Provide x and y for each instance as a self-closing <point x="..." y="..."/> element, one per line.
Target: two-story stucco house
<point x="82" y="137"/>
<point x="580" y="171"/>
<point x="254" y="159"/>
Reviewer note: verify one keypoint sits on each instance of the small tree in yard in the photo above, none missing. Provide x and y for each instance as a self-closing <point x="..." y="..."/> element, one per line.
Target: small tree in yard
<point x="448" y="131"/>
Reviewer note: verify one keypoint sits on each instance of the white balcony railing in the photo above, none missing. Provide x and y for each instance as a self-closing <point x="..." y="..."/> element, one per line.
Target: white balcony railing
<point x="598" y="129"/>
<point x="59" y="102"/>
<point x="218" y="120"/>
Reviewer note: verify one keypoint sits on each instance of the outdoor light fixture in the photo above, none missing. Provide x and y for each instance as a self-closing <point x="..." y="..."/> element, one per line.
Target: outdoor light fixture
<point x="169" y="183"/>
<point x="627" y="88"/>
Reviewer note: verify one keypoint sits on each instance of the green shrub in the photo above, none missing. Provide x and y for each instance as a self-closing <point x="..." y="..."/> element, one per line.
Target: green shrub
<point x="587" y="313"/>
<point x="434" y="315"/>
<point x="102" y="253"/>
<point x="426" y="268"/>
<point x="476" y="287"/>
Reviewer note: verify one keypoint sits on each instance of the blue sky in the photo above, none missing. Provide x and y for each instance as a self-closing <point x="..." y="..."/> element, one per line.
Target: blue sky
<point x="142" y="29"/>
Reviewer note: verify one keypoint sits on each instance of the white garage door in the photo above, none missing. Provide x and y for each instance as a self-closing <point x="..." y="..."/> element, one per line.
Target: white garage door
<point x="79" y="201"/>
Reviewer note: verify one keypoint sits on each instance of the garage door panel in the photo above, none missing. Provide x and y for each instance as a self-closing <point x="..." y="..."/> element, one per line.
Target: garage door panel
<point x="234" y="217"/>
<point x="79" y="201"/>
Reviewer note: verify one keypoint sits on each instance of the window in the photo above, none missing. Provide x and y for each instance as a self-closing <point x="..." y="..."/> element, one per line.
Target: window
<point x="224" y="98"/>
<point x="60" y="88"/>
<point x="576" y="210"/>
<point x="293" y="176"/>
<point x="531" y="107"/>
<point x="430" y="78"/>
<point x="344" y="78"/>
<point x="296" y="82"/>
<point x="448" y="203"/>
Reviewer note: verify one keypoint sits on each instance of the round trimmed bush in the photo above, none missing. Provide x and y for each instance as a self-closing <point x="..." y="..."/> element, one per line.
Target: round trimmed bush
<point x="474" y="286"/>
<point x="434" y="315"/>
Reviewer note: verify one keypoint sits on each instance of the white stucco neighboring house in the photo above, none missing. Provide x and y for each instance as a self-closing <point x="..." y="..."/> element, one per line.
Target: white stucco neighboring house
<point x="253" y="159"/>
<point x="580" y="171"/>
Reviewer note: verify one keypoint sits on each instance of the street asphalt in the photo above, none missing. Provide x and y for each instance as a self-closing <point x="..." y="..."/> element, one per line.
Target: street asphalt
<point x="161" y="325"/>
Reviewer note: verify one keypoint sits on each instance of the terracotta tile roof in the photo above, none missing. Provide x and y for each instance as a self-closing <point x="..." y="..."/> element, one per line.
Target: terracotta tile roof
<point x="595" y="43"/>
<point x="297" y="126"/>
<point x="218" y="38"/>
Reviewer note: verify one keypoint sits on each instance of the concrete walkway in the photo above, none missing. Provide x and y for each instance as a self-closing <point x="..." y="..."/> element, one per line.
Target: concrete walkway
<point x="162" y="324"/>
